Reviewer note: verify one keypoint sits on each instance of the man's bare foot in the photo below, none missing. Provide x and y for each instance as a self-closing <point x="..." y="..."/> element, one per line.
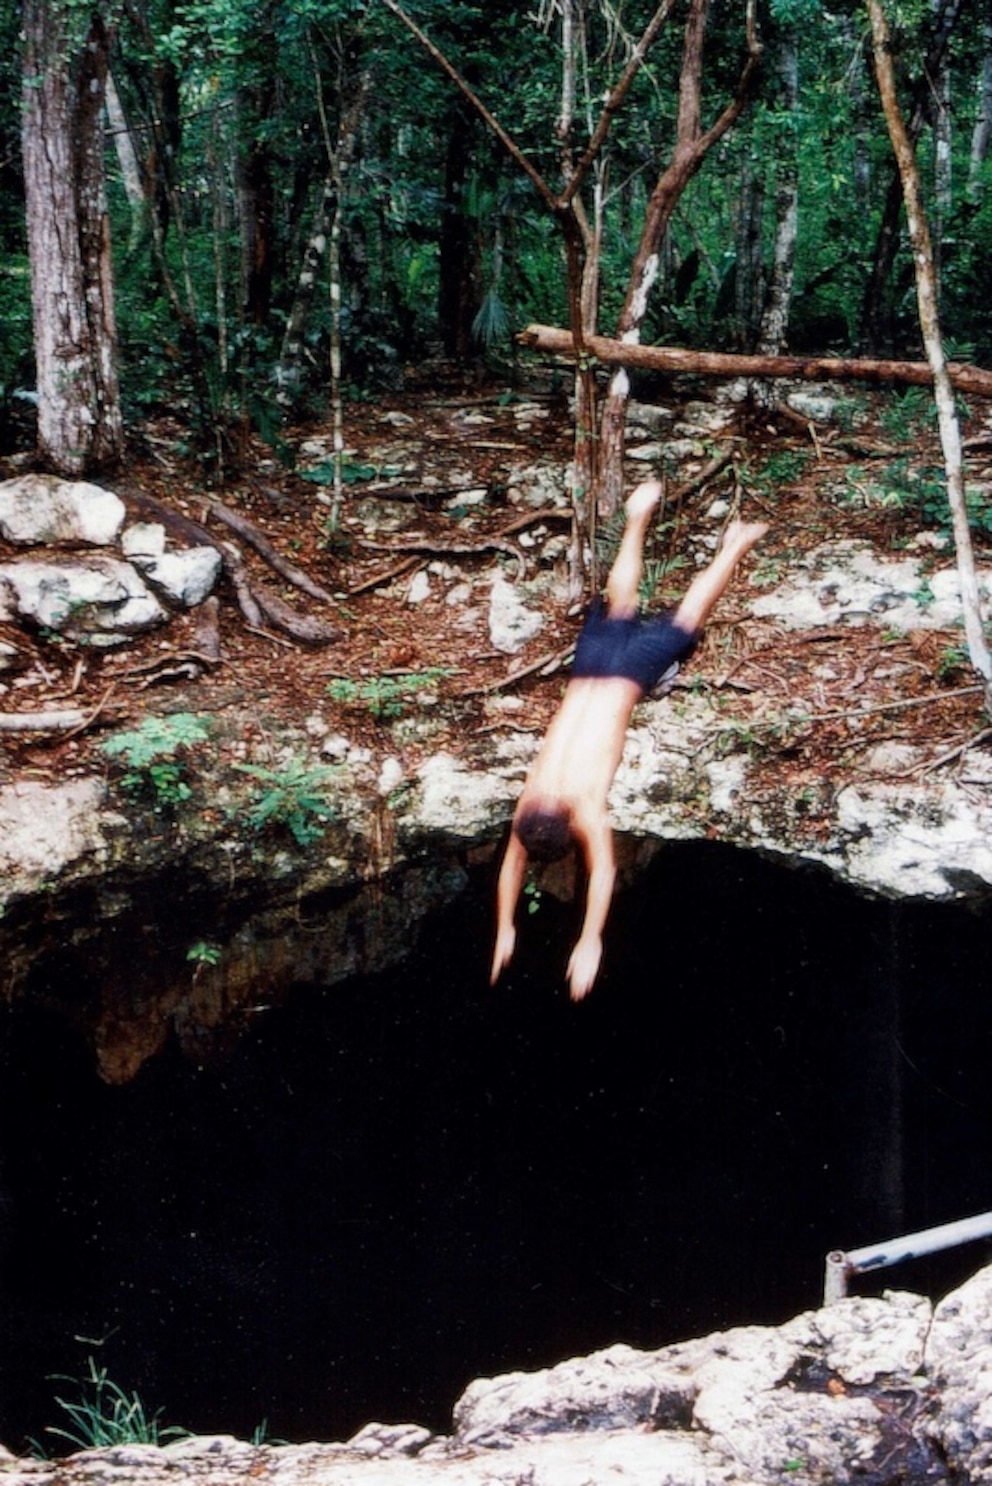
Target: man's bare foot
<point x="741" y="536"/>
<point x="642" y="501"/>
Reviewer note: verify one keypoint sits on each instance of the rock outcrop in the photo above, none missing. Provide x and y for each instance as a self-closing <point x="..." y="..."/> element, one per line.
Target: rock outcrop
<point x="869" y="1390"/>
<point x="81" y="855"/>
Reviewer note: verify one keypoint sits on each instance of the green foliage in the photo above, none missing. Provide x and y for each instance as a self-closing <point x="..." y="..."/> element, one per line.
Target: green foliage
<point x="907" y="414"/>
<point x="225" y="95"/>
<point x="385" y="697"/>
<point x="532" y="897"/>
<point x="103" y="1414"/>
<point x="291" y="797"/>
<point x="492" y="321"/>
<point x="921" y="491"/>
<point x="352" y="472"/>
<point x="204" y="953"/>
<point x="153" y="753"/>
<point x="781" y="468"/>
<point x="952" y="662"/>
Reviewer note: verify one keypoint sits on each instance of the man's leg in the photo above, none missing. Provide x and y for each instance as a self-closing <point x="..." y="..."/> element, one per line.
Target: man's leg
<point x="624" y="582"/>
<point x="704" y="590"/>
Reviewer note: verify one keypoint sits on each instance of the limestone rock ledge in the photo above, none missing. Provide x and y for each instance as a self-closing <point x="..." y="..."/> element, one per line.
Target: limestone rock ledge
<point x="120" y="895"/>
<point x="884" y="1390"/>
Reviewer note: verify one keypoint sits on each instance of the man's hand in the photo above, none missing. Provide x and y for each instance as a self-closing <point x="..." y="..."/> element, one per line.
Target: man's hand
<point x="583" y="967"/>
<point x="506" y="941"/>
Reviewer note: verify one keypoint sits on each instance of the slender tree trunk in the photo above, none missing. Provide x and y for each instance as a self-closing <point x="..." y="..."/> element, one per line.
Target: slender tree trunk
<point x="749" y="265"/>
<point x="289" y="373"/>
<point x="691" y="147"/>
<point x="458" y="256"/>
<point x="79" y="415"/>
<point x="778" y="300"/>
<point x="926" y="293"/>
<point x="127" y="159"/>
<point x="860" y="92"/>
<point x="982" y="130"/>
<point x="583" y="245"/>
<point x="874" y="330"/>
<point x="942" y="164"/>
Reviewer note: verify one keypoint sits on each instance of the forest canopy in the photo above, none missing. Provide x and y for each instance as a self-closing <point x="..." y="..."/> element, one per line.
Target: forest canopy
<point x="289" y="180"/>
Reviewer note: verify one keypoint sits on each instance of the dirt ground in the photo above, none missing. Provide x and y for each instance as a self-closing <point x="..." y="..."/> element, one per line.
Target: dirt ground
<point x="413" y="448"/>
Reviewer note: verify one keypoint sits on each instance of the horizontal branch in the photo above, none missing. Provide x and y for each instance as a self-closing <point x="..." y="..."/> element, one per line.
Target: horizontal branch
<point x="42" y="722"/>
<point x="965" y="378"/>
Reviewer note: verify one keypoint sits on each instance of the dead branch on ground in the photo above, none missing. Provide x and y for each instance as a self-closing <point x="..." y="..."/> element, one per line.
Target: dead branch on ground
<point x="257" y="602"/>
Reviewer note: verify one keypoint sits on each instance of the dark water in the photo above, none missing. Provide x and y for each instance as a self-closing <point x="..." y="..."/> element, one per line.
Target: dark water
<point x="394" y="1186"/>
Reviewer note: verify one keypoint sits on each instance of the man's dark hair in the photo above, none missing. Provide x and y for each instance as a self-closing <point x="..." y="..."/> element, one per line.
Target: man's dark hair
<point x="545" y="835"/>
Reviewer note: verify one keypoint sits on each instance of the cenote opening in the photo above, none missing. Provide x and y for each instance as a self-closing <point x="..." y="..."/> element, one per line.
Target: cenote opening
<point x="391" y="1187"/>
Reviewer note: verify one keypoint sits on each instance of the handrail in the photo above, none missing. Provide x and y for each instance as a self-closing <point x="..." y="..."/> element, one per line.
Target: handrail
<point x="841" y="1265"/>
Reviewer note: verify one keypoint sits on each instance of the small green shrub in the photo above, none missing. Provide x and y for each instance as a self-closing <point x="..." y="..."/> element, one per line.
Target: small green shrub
<point x="292" y="797"/>
<point x="204" y="953"/>
<point x="103" y="1415"/>
<point x="907" y="414"/>
<point x="153" y="755"/>
<point x="385" y="697"/>
<point x="784" y="467"/>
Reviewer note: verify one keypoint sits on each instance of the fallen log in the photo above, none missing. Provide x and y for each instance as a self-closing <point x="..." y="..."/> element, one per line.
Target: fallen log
<point x="964" y="377"/>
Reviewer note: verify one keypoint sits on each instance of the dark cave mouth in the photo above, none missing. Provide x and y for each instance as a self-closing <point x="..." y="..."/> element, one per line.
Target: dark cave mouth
<point x="392" y="1186"/>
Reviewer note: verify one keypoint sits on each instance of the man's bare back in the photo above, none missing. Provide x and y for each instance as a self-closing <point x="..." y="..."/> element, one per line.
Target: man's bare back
<point x="564" y="799"/>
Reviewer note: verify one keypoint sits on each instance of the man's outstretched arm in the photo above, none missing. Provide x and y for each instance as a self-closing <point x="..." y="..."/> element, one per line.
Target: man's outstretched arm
<point x="583" y="967"/>
<point x="511" y="880"/>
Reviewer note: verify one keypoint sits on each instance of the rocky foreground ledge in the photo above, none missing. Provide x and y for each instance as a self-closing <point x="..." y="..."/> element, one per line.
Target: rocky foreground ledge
<point x="883" y="1391"/>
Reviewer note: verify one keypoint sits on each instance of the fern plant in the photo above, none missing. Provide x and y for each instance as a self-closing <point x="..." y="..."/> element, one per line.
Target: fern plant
<point x="292" y="796"/>
<point x="385" y="697"/>
<point x="153" y="755"/>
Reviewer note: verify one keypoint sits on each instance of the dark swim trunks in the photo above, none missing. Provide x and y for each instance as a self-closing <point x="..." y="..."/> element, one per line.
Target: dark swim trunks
<point x="648" y="651"/>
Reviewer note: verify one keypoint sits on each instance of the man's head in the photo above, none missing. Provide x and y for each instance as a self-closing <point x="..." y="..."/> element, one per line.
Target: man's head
<point x="544" y="831"/>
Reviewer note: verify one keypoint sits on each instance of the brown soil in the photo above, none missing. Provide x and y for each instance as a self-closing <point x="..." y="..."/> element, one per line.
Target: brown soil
<point x="859" y="685"/>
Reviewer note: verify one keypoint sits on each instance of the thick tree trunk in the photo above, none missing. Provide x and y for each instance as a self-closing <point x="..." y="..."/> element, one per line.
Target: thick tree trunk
<point x="79" y="415"/>
<point x="926" y="294"/>
<point x="973" y="380"/>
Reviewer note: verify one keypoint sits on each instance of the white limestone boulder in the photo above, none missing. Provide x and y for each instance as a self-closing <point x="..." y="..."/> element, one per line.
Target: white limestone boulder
<point x="959" y="1361"/>
<point x="99" y="599"/>
<point x="512" y="623"/>
<point x="42" y="510"/>
<point x="184" y="578"/>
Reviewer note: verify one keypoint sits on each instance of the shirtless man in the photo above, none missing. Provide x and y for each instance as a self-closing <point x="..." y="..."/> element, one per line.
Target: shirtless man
<point x="618" y="659"/>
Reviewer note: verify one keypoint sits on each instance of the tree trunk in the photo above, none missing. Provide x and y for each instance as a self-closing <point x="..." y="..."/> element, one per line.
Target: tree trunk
<point x="778" y="300"/>
<point x="458" y="252"/>
<point x="691" y="147"/>
<point x="673" y="359"/>
<point x="749" y="266"/>
<point x="79" y="415"/>
<point x="942" y="164"/>
<point x="926" y="294"/>
<point x="289" y="373"/>
<point x="127" y="160"/>
<point x="874" y="329"/>
<point x="982" y="130"/>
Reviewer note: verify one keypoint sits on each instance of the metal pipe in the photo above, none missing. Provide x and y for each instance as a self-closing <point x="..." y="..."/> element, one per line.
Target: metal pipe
<point x="841" y="1265"/>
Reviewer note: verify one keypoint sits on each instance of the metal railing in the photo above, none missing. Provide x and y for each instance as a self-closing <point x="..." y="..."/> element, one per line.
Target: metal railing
<point x="841" y="1265"/>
